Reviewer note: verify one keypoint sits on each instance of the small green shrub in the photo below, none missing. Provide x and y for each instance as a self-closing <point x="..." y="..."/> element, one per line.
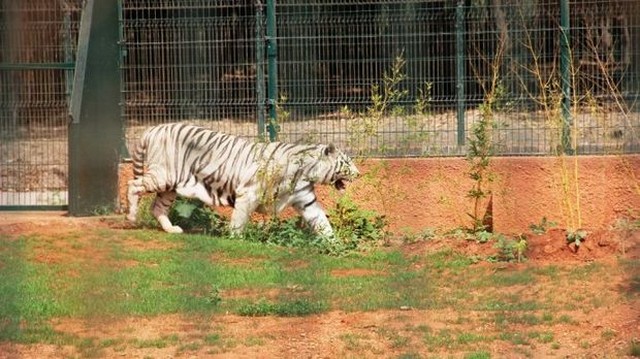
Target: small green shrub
<point x="542" y="227"/>
<point x="144" y="217"/>
<point x="576" y="237"/>
<point x="354" y="229"/>
<point x="634" y="348"/>
<point x="410" y="236"/>
<point x="190" y="214"/>
<point x="193" y="216"/>
<point x="509" y="250"/>
<point x="289" y="232"/>
<point x="355" y="226"/>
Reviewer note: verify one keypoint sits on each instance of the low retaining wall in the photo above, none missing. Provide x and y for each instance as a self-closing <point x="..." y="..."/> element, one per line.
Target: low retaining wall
<point x="589" y="192"/>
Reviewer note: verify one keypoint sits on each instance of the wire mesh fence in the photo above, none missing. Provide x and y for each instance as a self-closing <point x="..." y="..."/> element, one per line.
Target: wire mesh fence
<point x="189" y="61"/>
<point x="378" y="78"/>
<point x="392" y="78"/>
<point x="37" y="38"/>
<point x="409" y="78"/>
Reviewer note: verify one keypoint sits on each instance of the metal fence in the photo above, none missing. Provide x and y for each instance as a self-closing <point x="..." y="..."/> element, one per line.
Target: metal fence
<point x="202" y="61"/>
<point x="378" y="78"/>
<point x="37" y="38"/>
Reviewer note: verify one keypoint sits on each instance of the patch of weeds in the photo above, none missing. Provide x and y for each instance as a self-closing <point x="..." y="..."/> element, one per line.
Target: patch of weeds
<point x="515" y="338"/>
<point x="409" y="236"/>
<point x="355" y="229"/>
<point x="583" y="272"/>
<point x="442" y="339"/>
<point x="576" y="237"/>
<point x="102" y="210"/>
<point x="352" y="341"/>
<point x="509" y="250"/>
<point x="194" y="216"/>
<point x="409" y="355"/>
<point x="482" y="236"/>
<point x="545" y="337"/>
<point x="518" y="277"/>
<point x="634" y="348"/>
<point x="144" y="217"/>
<point x="626" y="227"/>
<point x="397" y="340"/>
<point x="547" y="317"/>
<point x="213" y="339"/>
<point x="460" y="234"/>
<point x="478" y="355"/>
<point x="253" y="341"/>
<point x="448" y="259"/>
<point x="355" y="226"/>
<point x="106" y="343"/>
<point x="449" y="339"/>
<point x="550" y="271"/>
<point x="513" y="303"/>
<point x="189" y="213"/>
<point x="213" y="297"/>
<point x="542" y="227"/>
<point x="189" y="347"/>
<point x="469" y="338"/>
<point x="158" y="343"/>
<point x="294" y="308"/>
<point x="292" y="232"/>
<point x="555" y="345"/>
<point x="566" y="319"/>
<point x="506" y="318"/>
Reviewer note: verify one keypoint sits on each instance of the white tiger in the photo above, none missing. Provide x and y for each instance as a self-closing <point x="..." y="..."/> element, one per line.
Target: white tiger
<point x="225" y="170"/>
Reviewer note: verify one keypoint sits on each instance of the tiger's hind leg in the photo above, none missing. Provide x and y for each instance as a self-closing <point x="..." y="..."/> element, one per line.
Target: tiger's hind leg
<point x="136" y="188"/>
<point x="161" y="206"/>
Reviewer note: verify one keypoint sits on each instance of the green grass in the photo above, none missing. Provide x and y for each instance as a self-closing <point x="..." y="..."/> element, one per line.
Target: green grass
<point x="116" y="273"/>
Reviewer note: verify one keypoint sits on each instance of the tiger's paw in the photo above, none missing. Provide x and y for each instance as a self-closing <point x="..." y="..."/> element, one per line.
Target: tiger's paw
<point x="173" y="229"/>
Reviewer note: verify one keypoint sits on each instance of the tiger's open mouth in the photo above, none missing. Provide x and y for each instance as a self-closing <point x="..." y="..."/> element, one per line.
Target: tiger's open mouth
<point x="339" y="184"/>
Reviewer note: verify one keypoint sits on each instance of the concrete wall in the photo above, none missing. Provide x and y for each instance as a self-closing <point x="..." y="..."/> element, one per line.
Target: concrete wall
<point x="589" y="192"/>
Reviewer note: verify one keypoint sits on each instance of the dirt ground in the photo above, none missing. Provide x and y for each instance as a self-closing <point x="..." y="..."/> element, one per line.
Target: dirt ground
<point x="339" y="334"/>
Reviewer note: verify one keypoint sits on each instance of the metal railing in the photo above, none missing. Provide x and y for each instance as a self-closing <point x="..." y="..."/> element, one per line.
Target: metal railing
<point x="202" y="61"/>
<point x="37" y="39"/>
<point x="378" y="78"/>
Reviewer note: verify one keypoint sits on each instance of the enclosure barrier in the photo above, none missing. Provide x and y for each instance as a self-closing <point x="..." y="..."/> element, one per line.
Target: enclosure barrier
<point x="379" y="78"/>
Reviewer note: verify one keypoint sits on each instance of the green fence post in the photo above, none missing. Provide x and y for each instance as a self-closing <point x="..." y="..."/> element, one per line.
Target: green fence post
<point x="95" y="132"/>
<point x="565" y="74"/>
<point x="460" y="72"/>
<point x="272" y="55"/>
<point x="260" y="95"/>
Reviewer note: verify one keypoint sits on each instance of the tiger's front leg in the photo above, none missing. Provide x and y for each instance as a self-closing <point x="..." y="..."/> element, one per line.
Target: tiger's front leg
<point x="243" y="207"/>
<point x="314" y="215"/>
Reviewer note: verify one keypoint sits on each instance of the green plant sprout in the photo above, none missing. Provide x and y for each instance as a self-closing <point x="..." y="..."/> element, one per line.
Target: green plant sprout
<point x="542" y="227"/>
<point x="576" y="237"/>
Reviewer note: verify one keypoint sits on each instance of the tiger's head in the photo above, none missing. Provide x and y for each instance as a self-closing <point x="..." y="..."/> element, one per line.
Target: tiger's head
<point x="342" y="169"/>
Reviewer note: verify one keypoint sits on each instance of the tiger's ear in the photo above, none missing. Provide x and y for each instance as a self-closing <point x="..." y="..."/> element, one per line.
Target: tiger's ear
<point x="330" y="149"/>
